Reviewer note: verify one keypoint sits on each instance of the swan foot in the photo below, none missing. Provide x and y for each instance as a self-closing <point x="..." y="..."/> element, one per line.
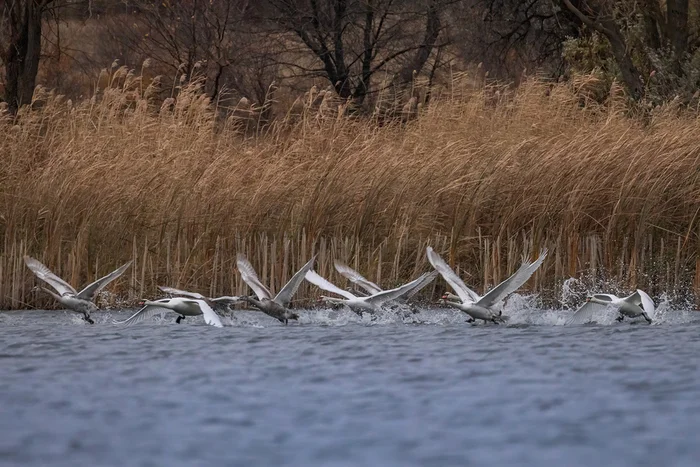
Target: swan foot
<point x="471" y="320"/>
<point x="646" y="317"/>
<point x="495" y="320"/>
<point x="620" y="318"/>
<point x="179" y="318"/>
<point x="87" y="318"/>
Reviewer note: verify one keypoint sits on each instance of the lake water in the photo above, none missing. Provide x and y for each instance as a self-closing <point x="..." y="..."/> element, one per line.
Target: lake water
<point x="336" y="390"/>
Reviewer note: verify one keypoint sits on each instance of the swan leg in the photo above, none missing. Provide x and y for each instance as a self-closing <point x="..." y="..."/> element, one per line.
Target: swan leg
<point x="495" y="320"/>
<point x="179" y="318"/>
<point x="471" y="320"/>
<point x="646" y="317"/>
<point x="620" y="318"/>
<point x="87" y="318"/>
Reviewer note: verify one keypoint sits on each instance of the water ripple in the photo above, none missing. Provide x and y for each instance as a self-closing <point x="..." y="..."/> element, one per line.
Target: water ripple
<point x="338" y="389"/>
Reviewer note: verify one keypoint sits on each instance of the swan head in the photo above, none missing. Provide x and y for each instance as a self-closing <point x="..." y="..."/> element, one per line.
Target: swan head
<point x="450" y="296"/>
<point x="593" y="299"/>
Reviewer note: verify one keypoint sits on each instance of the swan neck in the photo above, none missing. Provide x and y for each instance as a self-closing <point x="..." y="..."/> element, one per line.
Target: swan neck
<point x="51" y="292"/>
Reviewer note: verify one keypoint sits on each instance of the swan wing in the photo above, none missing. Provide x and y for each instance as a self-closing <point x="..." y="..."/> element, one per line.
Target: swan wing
<point x="184" y="293"/>
<point x="641" y="298"/>
<point x="145" y="313"/>
<point x="251" y="278"/>
<point x="210" y="317"/>
<point x="89" y="292"/>
<point x="356" y="278"/>
<point x="513" y="283"/>
<point x="285" y="295"/>
<point x="313" y="277"/>
<point x="465" y="293"/>
<point x="45" y="274"/>
<point x="585" y="313"/>
<point x="391" y="294"/>
<point x="423" y="280"/>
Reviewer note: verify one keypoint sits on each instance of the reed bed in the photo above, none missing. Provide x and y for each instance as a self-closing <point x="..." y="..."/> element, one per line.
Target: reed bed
<point x="485" y="174"/>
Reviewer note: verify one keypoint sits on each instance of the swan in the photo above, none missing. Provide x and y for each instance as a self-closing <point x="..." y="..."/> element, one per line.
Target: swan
<point x="218" y="304"/>
<point x="180" y="305"/>
<point x="470" y="302"/>
<point x="372" y="288"/>
<point x="276" y="307"/>
<point x="358" y="304"/>
<point x="626" y="306"/>
<point x="80" y="302"/>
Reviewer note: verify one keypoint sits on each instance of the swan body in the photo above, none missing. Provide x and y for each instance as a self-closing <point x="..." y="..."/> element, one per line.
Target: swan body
<point x="180" y="305"/>
<point x="632" y="306"/>
<point x="372" y="288"/>
<point x="80" y="302"/>
<point x="371" y="303"/>
<point x="218" y="304"/>
<point x="277" y="307"/>
<point x="476" y="306"/>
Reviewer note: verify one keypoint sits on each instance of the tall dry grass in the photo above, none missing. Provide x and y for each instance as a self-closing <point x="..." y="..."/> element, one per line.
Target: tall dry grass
<point x="484" y="174"/>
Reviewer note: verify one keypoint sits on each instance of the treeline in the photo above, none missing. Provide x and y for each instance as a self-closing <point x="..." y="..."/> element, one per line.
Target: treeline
<point x="360" y="50"/>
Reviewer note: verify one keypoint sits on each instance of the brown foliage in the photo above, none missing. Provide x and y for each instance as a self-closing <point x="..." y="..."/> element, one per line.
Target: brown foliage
<point x="484" y="175"/>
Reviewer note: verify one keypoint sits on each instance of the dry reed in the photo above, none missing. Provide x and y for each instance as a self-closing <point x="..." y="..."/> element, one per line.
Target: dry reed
<point x="485" y="175"/>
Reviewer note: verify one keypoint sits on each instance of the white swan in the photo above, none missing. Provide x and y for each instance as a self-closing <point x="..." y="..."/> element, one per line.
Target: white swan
<point x="470" y="302"/>
<point x="180" y="305"/>
<point x="219" y="304"/>
<point x="80" y="302"/>
<point x="276" y="307"/>
<point x="626" y="306"/>
<point x="372" y="288"/>
<point x="370" y="303"/>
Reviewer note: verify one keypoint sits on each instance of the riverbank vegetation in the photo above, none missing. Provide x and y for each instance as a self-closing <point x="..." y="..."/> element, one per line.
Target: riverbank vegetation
<point x="485" y="174"/>
<point x="361" y="130"/>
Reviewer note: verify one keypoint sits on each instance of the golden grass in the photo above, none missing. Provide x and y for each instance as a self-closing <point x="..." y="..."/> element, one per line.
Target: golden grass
<point x="484" y="175"/>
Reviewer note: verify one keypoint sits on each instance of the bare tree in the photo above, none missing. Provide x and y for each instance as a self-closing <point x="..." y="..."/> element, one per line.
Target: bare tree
<point x="509" y="35"/>
<point x="355" y="39"/>
<point x="215" y="39"/>
<point x="20" y="29"/>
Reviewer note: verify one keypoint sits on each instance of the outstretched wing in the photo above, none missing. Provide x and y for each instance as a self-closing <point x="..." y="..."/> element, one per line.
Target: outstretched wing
<point x="356" y="278"/>
<point x="251" y="278"/>
<point x="147" y="312"/>
<point x="184" y="293"/>
<point x="89" y="292"/>
<point x="424" y="280"/>
<point x="313" y="277"/>
<point x="585" y="313"/>
<point x="285" y="295"/>
<point x="210" y="317"/>
<point x="45" y="274"/>
<point x="465" y="293"/>
<point x="387" y="295"/>
<point x="640" y="297"/>
<point x="513" y="283"/>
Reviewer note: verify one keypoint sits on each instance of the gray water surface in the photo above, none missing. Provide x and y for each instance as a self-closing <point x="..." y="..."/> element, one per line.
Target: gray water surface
<point x="331" y="390"/>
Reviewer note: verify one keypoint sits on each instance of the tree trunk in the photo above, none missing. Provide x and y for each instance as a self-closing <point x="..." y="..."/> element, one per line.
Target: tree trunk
<point x="677" y="12"/>
<point x="432" y="31"/>
<point x="603" y="22"/>
<point x="22" y="54"/>
<point x="630" y="73"/>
